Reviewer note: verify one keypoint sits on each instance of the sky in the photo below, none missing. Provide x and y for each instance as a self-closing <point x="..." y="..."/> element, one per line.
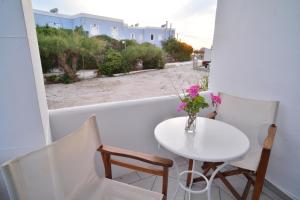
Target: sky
<point x="193" y="20"/>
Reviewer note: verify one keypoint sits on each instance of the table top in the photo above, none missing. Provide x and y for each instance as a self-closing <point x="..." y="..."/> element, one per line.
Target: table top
<point x="214" y="141"/>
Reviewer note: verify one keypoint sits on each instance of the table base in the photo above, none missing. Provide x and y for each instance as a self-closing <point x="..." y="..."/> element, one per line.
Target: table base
<point x="192" y="172"/>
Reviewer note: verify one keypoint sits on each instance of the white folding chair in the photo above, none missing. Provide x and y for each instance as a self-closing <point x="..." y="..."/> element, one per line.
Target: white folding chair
<point x="256" y="118"/>
<point x="67" y="169"/>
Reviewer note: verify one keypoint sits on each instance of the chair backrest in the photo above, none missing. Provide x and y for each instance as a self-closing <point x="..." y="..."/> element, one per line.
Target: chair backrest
<point x="57" y="170"/>
<point x="253" y="117"/>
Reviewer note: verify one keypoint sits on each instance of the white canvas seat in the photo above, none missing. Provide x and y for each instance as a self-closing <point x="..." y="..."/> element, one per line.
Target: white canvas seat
<point x="256" y="118"/>
<point x="108" y="189"/>
<point x="67" y="169"/>
<point x="253" y="117"/>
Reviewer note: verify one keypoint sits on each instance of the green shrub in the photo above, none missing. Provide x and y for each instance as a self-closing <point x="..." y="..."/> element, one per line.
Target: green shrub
<point x="179" y="51"/>
<point x="112" y="63"/>
<point x="87" y="62"/>
<point x="111" y="42"/>
<point x="151" y="56"/>
<point x="73" y="50"/>
<point x="131" y="55"/>
<point x="48" y="62"/>
<point x="53" y="79"/>
<point x="128" y="43"/>
<point x="65" y="48"/>
<point x="66" y="79"/>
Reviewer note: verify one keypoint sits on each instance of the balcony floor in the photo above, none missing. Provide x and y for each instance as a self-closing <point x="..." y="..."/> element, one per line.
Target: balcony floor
<point x="219" y="192"/>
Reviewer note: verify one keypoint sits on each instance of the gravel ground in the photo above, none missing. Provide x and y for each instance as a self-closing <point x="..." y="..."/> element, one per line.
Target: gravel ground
<point x="134" y="86"/>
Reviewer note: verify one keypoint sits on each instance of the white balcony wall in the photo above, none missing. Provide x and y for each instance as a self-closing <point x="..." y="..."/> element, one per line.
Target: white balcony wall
<point x="128" y="124"/>
<point x="256" y="55"/>
<point x="24" y="113"/>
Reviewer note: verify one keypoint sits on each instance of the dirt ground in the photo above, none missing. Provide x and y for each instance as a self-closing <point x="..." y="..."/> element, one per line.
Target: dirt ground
<point x="128" y="87"/>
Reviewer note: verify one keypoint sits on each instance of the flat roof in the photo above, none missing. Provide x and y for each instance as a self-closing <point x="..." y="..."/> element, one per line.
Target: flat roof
<point x="85" y="15"/>
<point x="42" y="12"/>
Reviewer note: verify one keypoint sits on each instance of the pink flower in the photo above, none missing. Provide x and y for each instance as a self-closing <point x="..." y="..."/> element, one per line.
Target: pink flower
<point x="181" y="106"/>
<point x="216" y="100"/>
<point x="193" y="91"/>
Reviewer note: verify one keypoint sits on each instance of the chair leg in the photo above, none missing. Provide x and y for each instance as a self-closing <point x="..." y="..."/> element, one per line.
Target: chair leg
<point x="257" y="190"/>
<point x="249" y="178"/>
<point x="260" y="174"/>
<point x="165" y="182"/>
<point x="246" y="190"/>
<point x="222" y="175"/>
<point x="189" y="176"/>
<point x="199" y="179"/>
<point x="107" y="165"/>
<point x="228" y="185"/>
<point x="206" y="167"/>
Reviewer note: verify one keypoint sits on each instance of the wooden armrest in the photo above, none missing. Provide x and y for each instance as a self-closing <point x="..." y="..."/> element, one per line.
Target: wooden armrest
<point x="268" y="143"/>
<point x="108" y="151"/>
<point x="212" y="115"/>
<point x="152" y="159"/>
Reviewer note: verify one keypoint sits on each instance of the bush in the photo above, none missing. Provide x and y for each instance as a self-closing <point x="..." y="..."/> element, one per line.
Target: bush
<point x="131" y="56"/>
<point x="65" y="48"/>
<point x="48" y="62"/>
<point x="111" y="42"/>
<point x="128" y="43"/>
<point x="66" y="79"/>
<point x="87" y="62"/>
<point x="73" y="50"/>
<point x="112" y="63"/>
<point x="180" y="51"/>
<point x="53" y="79"/>
<point x="151" y="56"/>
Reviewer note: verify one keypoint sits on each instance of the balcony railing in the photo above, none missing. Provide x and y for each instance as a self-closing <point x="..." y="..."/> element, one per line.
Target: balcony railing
<point x="127" y="124"/>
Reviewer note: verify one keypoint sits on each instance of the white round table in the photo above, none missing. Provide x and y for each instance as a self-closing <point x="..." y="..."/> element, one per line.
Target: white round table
<point x="213" y="141"/>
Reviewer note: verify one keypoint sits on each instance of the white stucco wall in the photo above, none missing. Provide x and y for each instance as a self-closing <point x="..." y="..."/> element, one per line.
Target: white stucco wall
<point x="126" y="124"/>
<point x="24" y="113"/>
<point x="256" y="54"/>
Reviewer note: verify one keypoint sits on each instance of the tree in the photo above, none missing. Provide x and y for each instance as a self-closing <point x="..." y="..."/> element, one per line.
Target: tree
<point x="60" y="46"/>
<point x="71" y="49"/>
<point x="67" y="46"/>
<point x="151" y="56"/>
<point x="111" y="42"/>
<point x="75" y="48"/>
<point x="180" y="51"/>
<point x="94" y="48"/>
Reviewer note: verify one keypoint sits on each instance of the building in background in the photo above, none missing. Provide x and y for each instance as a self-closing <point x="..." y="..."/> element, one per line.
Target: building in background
<point x="99" y="25"/>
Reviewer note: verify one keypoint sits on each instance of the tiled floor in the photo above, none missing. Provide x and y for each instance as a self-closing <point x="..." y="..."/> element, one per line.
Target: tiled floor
<point x="219" y="192"/>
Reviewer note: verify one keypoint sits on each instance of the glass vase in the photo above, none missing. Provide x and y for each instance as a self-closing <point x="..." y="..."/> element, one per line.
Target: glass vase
<point x="190" y="125"/>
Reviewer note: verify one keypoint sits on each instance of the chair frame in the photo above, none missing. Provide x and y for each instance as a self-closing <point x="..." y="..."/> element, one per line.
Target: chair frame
<point x="255" y="178"/>
<point x="108" y="151"/>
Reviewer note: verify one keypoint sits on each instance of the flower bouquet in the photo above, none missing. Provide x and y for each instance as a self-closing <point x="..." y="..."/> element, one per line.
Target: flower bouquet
<point x="192" y="102"/>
